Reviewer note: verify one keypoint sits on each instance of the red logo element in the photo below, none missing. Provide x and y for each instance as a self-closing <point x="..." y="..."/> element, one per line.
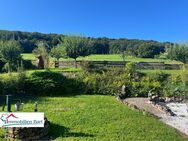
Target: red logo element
<point x="9" y="116"/>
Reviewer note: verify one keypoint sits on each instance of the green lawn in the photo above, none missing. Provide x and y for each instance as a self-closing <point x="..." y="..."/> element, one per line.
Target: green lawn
<point x="113" y="57"/>
<point x="28" y="56"/>
<point x="94" y="117"/>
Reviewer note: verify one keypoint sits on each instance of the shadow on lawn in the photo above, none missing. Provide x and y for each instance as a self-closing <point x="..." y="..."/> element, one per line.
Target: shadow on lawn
<point x="61" y="131"/>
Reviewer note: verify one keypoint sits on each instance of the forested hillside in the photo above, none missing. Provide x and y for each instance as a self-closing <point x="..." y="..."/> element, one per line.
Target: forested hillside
<point x="134" y="47"/>
<point x="28" y="40"/>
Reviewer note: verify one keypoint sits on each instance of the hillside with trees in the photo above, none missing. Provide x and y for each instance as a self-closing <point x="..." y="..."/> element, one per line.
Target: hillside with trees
<point x="30" y="40"/>
<point x="134" y="47"/>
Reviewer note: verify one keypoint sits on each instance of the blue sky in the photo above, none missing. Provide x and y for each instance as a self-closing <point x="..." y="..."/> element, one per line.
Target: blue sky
<point x="163" y="20"/>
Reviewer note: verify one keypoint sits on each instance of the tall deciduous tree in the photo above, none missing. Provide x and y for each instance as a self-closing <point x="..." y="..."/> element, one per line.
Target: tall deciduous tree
<point x="10" y="52"/>
<point x="76" y="46"/>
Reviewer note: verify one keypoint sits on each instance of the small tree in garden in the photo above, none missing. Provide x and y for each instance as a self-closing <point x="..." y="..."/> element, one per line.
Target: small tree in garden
<point x="10" y="52"/>
<point x="76" y="46"/>
<point x="58" y="52"/>
<point x="42" y="54"/>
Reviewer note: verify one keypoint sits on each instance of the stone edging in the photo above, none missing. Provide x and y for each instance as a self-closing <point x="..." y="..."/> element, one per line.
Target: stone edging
<point x="162" y="107"/>
<point x="159" y="106"/>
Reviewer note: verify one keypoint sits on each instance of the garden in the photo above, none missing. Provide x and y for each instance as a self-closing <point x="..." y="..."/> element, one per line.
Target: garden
<point x="80" y="102"/>
<point x="96" y="117"/>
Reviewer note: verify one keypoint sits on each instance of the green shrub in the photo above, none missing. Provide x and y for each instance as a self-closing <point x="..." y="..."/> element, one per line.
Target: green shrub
<point x="13" y="84"/>
<point x="130" y="68"/>
<point x="111" y="81"/>
<point x="161" y="77"/>
<point x="51" y="84"/>
<point x="89" y="66"/>
<point x="141" y="88"/>
<point x="175" y="83"/>
<point x="9" y="85"/>
<point x="108" y="82"/>
<point x="41" y="84"/>
<point x="44" y="83"/>
<point x="27" y="64"/>
<point x="102" y="83"/>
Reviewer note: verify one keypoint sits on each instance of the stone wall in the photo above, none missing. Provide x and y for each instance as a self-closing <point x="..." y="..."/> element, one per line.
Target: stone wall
<point x="28" y="133"/>
<point x="140" y="65"/>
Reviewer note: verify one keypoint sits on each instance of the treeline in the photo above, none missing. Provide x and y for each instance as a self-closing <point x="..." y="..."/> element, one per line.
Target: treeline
<point x="134" y="47"/>
<point x="29" y="40"/>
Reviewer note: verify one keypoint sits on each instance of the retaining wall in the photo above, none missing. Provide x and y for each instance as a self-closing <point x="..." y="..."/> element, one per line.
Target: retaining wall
<point x="140" y="65"/>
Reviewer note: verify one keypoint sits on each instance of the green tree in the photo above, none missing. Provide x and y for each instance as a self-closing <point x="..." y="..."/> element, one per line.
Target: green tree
<point x="41" y="51"/>
<point x="76" y="46"/>
<point x="149" y="50"/>
<point x="58" y="52"/>
<point x="178" y="52"/>
<point x="100" y="46"/>
<point x="10" y="53"/>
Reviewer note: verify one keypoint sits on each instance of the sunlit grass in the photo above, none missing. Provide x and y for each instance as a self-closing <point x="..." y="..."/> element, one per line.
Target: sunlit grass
<point x="109" y="57"/>
<point x="93" y="117"/>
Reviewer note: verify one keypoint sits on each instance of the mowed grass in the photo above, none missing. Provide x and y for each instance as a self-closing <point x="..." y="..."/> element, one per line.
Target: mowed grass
<point x="102" y="118"/>
<point x="109" y="57"/>
<point x="28" y="56"/>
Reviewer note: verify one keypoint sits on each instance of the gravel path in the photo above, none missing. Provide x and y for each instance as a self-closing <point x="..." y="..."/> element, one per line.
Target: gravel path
<point x="179" y="122"/>
<point x="143" y="104"/>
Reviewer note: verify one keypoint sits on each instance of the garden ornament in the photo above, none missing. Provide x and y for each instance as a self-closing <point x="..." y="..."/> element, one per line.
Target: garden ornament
<point x="36" y="107"/>
<point x="18" y="106"/>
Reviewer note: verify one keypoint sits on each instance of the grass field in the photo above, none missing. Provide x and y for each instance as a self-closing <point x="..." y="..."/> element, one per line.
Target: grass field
<point x="113" y="57"/>
<point x="103" y="118"/>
